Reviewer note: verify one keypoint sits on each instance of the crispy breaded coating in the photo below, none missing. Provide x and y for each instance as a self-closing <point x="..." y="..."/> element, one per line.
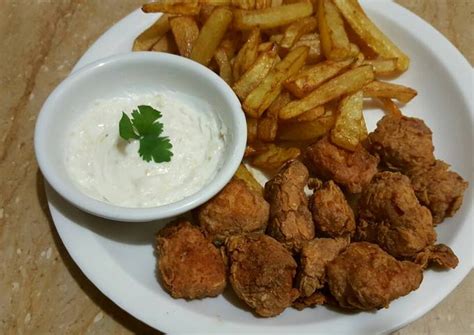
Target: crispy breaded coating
<point x="317" y="298"/>
<point x="351" y="170"/>
<point x="235" y="210"/>
<point x="365" y="277"/>
<point x="332" y="215"/>
<point x="391" y="216"/>
<point x="314" y="257"/>
<point x="261" y="273"/>
<point x="402" y="142"/>
<point x="190" y="266"/>
<point x="290" y="219"/>
<point x="439" y="255"/>
<point x="439" y="189"/>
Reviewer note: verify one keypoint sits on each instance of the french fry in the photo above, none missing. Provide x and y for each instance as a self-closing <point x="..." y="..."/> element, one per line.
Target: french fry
<point x="311" y="115"/>
<point x="263" y="95"/>
<point x="297" y="29"/>
<point x="281" y="101"/>
<point x="259" y="70"/>
<point x="205" y="13"/>
<point x="230" y="43"/>
<point x="262" y="4"/>
<point x="212" y="32"/>
<point x="247" y="177"/>
<point x="359" y="61"/>
<point x="370" y="34"/>
<point x="187" y="7"/>
<point x="276" y="3"/>
<point x="185" y="31"/>
<point x="152" y="35"/>
<point x="304" y="82"/>
<point x="345" y="83"/>
<point x="247" y="54"/>
<point x="266" y="46"/>
<point x="274" y="157"/>
<point x="166" y="44"/>
<point x="306" y="131"/>
<point x="313" y="43"/>
<point x="350" y="129"/>
<point x="225" y="69"/>
<point x="384" y="67"/>
<point x="381" y="89"/>
<point x="390" y="107"/>
<point x="271" y="17"/>
<point x="334" y="40"/>
<point x="255" y="149"/>
<point x="267" y="129"/>
<point x="252" y="129"/>
<point x="244" y="4"/>
<point x="215" y="2"/>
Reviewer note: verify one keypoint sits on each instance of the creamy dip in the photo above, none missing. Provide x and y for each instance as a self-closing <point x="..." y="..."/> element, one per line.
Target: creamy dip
<point x="108" y="168"/>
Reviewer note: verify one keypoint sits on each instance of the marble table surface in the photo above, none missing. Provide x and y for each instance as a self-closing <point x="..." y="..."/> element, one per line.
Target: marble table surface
<point x="42" y="291"/>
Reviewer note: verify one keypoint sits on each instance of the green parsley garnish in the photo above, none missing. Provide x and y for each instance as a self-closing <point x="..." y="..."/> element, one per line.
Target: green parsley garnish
<point x="145" y="127"/>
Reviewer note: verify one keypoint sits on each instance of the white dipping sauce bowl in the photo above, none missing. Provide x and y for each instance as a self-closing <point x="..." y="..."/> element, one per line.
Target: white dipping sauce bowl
<point x="136" y="72"/>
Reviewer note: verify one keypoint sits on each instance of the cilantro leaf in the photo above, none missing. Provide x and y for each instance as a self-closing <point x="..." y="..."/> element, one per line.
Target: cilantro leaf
<point x="126" y="128"/>
<point x="145" y="127"/>
<point x="156" y="148"/>
<point x="144" y="121"/>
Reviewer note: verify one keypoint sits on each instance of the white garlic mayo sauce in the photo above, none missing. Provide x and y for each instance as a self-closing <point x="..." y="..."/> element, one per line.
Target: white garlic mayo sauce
<point x="108" y="168"/>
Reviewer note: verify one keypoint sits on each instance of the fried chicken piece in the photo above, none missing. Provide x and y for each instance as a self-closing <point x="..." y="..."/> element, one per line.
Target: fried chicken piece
<point x="365" y="277"/>
<point x="261" y="273"/>
<point x="332" y="215"/>
<point x="237" y="209"/>
<point x="391" y="216"/>
<point x="314" y="257"/>
<point x="402" y="142"/>
<point x="438" y="189"/>
<point x="190" y="266"/>
<point x="317" y="298"/>
<point x="352" y="170"/>
<point x="439" y="255"/>
<point x="290" y="219"/>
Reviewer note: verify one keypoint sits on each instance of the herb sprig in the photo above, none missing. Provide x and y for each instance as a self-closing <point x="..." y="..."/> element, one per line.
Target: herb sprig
<point x="145" y="127"/>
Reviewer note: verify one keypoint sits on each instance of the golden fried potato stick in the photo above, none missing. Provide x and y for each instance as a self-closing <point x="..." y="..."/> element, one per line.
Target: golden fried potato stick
<point x="212" y="33"/>
<point x="225" y="69"/>
<point x="384" y="67"/>
<point x="247" y="54"/>
<point x="381" y="89"/>
<point x="188" y="7"/>
<point x="350" y="129"/>
<point x="255" y="74"/>
<point x="274" y="157"/>
<point x="390" y="107"/>
<point x="306" y="81"/>
<point x="268" y="90"/>
<point x="152" y="35"/>
<point x="370" y="33"/>
<point x="345" y="83"/>
<point x="185" y="31"/>
<point x="166" y="44"/>
<point x="306" y="131"/>
<point x="334" y="40"/>
<point x="297" y="29"/>
<point x="271" y="17"/>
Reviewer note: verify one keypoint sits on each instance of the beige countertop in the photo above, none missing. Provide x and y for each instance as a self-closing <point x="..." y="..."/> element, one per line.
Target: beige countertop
<point x="42" y="291"/>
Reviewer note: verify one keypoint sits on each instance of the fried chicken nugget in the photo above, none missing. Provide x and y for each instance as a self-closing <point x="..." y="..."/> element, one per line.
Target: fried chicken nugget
<point x="352" y="170"/>
<point x="402" y="142"/>
<point x="332" y="215"/>
<point x="262" y="273"/>
<point x="439" y="255"/>
<point x="314" y="257"/>
<point x="391" y="216"/>
<point x="365" y="277"/>
<point x="290" y="219"/>
<point x="439" y="189"/>
<point x="237" y="209"/>
<point x="190" y="266"/>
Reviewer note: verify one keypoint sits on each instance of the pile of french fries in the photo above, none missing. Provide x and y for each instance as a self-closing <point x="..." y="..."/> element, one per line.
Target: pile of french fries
<point x="301" y="68"/>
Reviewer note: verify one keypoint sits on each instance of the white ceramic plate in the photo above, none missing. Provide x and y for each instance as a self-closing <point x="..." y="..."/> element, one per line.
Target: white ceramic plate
<point x="118" y="257"/>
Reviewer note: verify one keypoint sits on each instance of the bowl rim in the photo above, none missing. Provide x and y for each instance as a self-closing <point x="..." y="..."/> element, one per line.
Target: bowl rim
<point x="75" y="196"/>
